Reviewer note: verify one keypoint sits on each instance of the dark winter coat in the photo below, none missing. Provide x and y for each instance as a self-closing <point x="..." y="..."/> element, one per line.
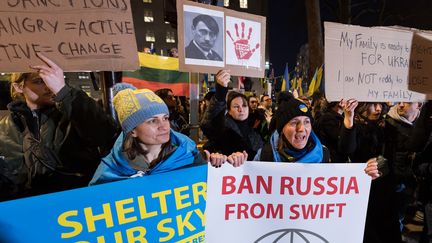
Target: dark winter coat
<point x="226" y="135"/>
<point x="55" y="148"/>
<point x="327" y="128"/>
<point x="363" y="141"/>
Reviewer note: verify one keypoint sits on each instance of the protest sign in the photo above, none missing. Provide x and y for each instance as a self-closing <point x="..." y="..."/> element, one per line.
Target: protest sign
<point x="213" y="38"/>
<point x="287" y="202"/>
<point x="369" y="64"/>
<point x="77" y="35"/>
<point x="166" y="207"/>
<point x="420" y="78"/>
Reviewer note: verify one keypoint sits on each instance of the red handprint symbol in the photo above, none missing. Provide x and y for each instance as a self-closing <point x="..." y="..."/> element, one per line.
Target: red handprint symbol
<point x="241" y="45"/>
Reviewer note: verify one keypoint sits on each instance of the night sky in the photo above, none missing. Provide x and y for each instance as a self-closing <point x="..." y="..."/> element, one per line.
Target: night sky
<point x="288" y="30"/>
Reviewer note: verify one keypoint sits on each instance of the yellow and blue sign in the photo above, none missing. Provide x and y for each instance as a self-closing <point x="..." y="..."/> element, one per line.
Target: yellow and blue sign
<point x="167" y="207"/>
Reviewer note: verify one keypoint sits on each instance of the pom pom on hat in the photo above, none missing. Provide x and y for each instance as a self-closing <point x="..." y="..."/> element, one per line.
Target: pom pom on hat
<point x="133" y="107"/>
<point x="289" y="108"/>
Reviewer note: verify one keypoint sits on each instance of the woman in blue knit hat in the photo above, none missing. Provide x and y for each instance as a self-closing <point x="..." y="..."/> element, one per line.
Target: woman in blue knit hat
<point x="147" y="144"/>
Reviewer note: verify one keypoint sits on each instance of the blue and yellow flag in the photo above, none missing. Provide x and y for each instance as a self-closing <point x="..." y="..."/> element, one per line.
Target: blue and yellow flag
<point x="285" y="80"/>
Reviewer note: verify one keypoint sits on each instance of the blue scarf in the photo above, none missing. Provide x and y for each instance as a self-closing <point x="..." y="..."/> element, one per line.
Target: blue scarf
<point x="314" y="155"/>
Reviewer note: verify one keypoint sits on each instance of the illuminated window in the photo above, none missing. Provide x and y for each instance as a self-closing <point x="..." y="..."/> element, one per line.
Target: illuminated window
<point x="148" y="16"/>
<point x="170" y="37"/>
<point x="150" y="36"/>
<point x="243" y="4"/>
<point x="226" y="3"/>
<point x="147" y="1"/>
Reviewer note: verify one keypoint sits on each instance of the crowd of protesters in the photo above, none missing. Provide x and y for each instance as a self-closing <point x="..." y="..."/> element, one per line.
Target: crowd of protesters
<point x="56" y="137"/>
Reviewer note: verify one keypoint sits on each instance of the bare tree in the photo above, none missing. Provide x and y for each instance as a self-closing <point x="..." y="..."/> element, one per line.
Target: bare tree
<point x="315" y="36"/>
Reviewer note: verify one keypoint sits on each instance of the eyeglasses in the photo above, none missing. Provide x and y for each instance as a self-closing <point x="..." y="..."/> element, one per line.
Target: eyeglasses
<point x="267" y="99"/>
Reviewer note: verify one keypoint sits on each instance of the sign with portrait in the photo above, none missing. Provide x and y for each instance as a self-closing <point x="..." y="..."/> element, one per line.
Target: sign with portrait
<point x="375" y="64"/>
<point x="213" y="38"/>
<point x="76" y="35"/>
<point x="287" y="202"/>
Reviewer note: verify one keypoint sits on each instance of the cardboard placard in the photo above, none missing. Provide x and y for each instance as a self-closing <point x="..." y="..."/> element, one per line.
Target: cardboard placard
<point x="420" y="78"/>
<point x="77" y="35"/>
<point x="235" y="40"/>
<point x="287" y="202"/>
<point x="369" y="64"/>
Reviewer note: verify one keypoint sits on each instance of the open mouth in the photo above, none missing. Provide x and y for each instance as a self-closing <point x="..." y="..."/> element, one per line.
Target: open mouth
<point x="300" y="138"/>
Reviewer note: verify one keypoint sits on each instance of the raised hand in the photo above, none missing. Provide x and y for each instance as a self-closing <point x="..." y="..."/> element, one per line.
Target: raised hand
<point x="223" y="77"/>
<point x="348" y="107"/>
<point x="242" y="47"/>
<point x="50" y="73"/>
<point x="372" y="168"/>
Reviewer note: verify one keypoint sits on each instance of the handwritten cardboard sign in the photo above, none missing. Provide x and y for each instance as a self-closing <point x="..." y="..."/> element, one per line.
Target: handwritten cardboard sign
<point x="76" y="34"/>
<point x="213" y="38"/>
<point x="369" y="64"/>
<point x="420" y="78"/>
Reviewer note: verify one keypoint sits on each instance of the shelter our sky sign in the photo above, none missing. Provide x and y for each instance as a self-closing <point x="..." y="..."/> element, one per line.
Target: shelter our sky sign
<point x="76" y="34"/>
<point x="370" y="64"/>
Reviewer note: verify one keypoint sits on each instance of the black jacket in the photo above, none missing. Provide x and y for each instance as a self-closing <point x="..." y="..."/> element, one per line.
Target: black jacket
<point x="362" y="142"/>
<point x="327" y="128"/>
<point x="224" y="133"/>
<point x="55" y="148"/>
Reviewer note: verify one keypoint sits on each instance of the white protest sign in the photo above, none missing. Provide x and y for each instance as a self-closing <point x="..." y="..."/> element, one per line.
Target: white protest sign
<point x="278" y="202"/>
<point x="369" y="64"/>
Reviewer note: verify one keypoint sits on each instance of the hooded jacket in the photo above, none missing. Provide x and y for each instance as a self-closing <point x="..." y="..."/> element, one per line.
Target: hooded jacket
<point x="54" y="148"/>
<point x="115" y="166"/>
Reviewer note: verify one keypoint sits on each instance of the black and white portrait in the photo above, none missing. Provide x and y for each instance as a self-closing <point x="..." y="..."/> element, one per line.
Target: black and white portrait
<point x="204" y="36"/>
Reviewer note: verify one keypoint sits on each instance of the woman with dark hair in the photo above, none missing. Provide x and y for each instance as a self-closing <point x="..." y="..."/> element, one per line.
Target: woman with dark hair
<point x="147" y="144"/>
<point x="363" y="137"/>
<point x="226" y="121"/>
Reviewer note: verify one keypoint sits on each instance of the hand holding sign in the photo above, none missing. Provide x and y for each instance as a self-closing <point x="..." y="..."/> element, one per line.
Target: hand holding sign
<point x="348" y="107"/>
<point x="223" y="77"/>
<point x="51" y="74"/>
<point x="215" y="159"/>
<point x="237" y="158"/>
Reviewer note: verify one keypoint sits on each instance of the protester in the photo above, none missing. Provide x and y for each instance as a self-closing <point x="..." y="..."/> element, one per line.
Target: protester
<point x="148" y="145"/>
<point x="258" y="119"/>
<point x="230" y="132"/>
<point x="363" y="137"/>
<point x="400" y="122"/>
<point x="253" y="103"/>
<point x="327" y="127"/>
<point x="54" y="135"/>
<point x="421" y="141"/>
<point x="266" y="104"/>
<point x="293" y="140"/>
<point x="178" y="122"/>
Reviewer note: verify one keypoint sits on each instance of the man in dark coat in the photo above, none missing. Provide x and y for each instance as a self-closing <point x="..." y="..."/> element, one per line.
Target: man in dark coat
<point x="53" y="137"/>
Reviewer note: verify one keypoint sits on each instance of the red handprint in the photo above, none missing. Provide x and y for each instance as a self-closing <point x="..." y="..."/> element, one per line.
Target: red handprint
<point x="241" y="45"/>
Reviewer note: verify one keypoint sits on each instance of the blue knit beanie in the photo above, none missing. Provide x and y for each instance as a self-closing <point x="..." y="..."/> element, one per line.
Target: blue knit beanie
<point x="133" y="107"/>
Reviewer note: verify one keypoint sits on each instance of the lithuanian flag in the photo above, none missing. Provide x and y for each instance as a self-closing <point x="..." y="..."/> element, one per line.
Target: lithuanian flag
<point x="158" y="72"/>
